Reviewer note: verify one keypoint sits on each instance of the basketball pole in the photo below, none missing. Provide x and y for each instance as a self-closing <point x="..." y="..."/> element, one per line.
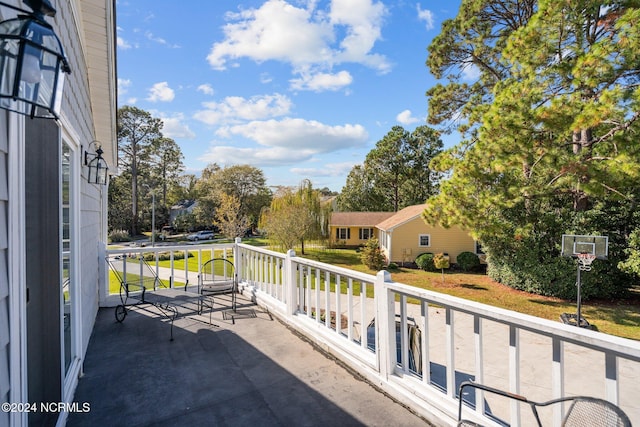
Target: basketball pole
<point x="578" y="284"/>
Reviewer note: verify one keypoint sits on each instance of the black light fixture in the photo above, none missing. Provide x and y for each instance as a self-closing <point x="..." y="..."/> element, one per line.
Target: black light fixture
<point x="98" y="169"/>
<point x="32" y="62"/>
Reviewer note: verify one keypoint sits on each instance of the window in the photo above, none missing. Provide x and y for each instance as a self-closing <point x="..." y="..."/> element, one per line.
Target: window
<point x="343" y="233"/>
<point x="67" y="246"/>
<point x="365" y="233"/>
<point x="424" y="240"/>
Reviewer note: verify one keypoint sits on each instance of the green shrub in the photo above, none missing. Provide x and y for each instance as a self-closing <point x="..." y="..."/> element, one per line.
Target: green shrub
<point x="392" y="266"/>
<point x="165" y="256"/>
<point x="371" y="255"/>
<point x="425" y="262"/>
<point x="468" y="261"/>
<point x="119" y="236"/>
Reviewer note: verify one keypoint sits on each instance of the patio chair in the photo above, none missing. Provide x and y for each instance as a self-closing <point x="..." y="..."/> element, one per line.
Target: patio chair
<point x="582" y="411"/>
<point x="217" y="277"/>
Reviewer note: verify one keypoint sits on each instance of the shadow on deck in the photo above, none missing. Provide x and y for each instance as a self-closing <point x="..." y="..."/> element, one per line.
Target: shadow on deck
<point x="253" y="371"/>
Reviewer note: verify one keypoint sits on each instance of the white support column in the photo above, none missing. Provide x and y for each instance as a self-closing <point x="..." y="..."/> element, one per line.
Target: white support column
<point x="557" y="377"/>
<point x="514" y="372"/>
<point x="385" y="325"/>
<point x="611" y="378"/>
<point x="426" y="368"/>
<point x="450" y="354"/>
<point x="338" y="326"/>
<point x="237" y="259"/>
<point x="327" y="299"/>
<point x="290" y="283"/>
<point x="363" y="314"/>
<point x="479" y="374"/>
<point x="350" y="309"/>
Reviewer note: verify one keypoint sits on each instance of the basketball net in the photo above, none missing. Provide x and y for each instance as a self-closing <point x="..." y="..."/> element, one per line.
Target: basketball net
<point x="585" y="260"/>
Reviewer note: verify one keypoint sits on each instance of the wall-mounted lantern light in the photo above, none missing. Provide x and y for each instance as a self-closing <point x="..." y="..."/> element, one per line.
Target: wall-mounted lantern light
<point x="32" y="62"/>
<point x="98" y="169"/>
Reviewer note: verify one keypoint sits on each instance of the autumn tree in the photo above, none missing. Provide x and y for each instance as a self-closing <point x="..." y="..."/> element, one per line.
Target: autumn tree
<point x="229" y="217"/>
<point x="550" y="123"/>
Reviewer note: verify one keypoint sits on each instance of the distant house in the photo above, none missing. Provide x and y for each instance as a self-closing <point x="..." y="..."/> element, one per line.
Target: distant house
<point x="353" y="229"/>
<point x="406" y="235"/>
<point x="180" y="208"/>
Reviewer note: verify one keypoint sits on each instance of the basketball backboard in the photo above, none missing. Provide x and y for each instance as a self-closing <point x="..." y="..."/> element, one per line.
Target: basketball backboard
<point x="573" y="244"/>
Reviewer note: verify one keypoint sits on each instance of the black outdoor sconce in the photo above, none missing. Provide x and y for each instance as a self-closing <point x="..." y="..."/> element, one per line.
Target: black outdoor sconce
<point x="98" y="169"/>
<point x="32" y="62"/>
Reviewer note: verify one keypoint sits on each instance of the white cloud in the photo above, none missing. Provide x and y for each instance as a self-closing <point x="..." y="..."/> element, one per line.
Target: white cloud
<point x="426" y="16"/>
<point x="363" y="21"/>
<point x="161" y="92"/>
<point x="123" y="86"/>
<point x="150" y="36"/>
<point x="330" y="169"/>
<point x="175" y="127"/>
<point x="234" y="108"/>
<point x="122" y="43"/>
<point x="470" y="72"/>
<point x="206" y="88"/>
<point x="322" y="81"/>
<point x="263" y="157"/>
<point x="406" y="118"/>
<point x="306" y="38"/>
<point x="265" y="78"/>
<point x="299" y="134"/>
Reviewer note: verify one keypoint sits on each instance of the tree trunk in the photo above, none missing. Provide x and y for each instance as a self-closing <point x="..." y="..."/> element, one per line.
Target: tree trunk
<point x="581" y="148"/>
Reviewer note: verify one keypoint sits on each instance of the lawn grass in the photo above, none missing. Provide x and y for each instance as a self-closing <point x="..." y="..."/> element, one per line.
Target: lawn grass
<point x="114" y="282"/>
<point x="620" y="318"/>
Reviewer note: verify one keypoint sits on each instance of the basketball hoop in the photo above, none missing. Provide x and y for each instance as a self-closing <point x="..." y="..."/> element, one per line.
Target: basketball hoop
<point x="585" y="260"/>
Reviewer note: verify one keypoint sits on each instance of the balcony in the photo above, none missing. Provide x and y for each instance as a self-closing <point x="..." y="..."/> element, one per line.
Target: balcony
<point x="263" y="363"/>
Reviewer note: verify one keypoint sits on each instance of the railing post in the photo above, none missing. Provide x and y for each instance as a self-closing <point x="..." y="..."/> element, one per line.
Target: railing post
<point x="289" y="284"/>
<point x="237" y="261"/>
<point x="103" y="274"/>
<point x="385" y="324"/>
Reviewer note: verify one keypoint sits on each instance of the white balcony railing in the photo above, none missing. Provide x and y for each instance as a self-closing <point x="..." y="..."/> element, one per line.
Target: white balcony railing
<point x="389" y="333"/>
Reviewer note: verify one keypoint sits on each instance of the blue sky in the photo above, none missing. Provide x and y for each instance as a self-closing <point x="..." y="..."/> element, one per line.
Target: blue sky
<point x="298" y="88"/>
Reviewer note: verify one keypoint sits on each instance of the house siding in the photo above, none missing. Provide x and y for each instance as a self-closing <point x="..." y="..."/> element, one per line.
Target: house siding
<point x="405" y="241"/>
<point x="354" y="236"/>
<point x="5" y="382"/>
<point x="85" y="29"/>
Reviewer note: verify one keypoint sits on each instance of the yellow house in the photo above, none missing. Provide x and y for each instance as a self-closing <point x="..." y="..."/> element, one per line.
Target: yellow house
<point x="405" y="235"/>
<point x="354" y="228"/>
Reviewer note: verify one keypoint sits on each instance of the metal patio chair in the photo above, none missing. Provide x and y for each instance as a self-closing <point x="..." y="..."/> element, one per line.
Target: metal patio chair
<point x="582" y="411"/>
<point x="218" y="277"/>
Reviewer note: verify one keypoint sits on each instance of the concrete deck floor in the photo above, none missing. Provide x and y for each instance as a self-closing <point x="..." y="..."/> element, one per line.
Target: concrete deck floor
<point x="254" y="372"/>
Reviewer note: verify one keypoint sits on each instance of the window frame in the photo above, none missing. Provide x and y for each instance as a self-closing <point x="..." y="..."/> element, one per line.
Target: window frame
<point x="361" y="233"/>
<point x="341" y="232"/>
<point x="428" y="236"/>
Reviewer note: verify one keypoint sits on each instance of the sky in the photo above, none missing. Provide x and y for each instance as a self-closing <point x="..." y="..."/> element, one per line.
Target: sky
<point x="301" y="89"/>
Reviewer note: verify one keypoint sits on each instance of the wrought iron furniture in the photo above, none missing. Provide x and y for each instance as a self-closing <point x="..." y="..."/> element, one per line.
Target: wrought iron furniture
<point x="582" y="410"/>
<point x="218" y="277"/>
<point x="148" y="288"/>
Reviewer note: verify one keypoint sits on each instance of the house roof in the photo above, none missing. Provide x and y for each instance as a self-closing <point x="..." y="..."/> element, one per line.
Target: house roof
<point x="358" y="219"/>
<point x="401" y="217"/>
